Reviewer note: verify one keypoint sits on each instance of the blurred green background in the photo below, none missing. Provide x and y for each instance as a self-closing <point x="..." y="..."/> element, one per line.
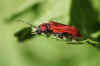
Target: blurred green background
<point x="42" y="51"/>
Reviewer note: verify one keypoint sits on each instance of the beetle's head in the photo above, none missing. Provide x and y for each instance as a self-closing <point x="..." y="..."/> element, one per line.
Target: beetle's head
<point x="38" y="30"/>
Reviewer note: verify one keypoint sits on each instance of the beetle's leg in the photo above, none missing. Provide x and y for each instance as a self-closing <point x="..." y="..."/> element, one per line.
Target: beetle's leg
<point x="39" y="32"/>
<point x="66" y="35"/>
<point x="48" y="27"/>
<point x="47" y="33"/>
<point x="57" y="35"/>
<point x="60" y="36"/>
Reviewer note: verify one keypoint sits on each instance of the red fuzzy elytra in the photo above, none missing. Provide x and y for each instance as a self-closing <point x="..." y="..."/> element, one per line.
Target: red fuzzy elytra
<point x="59" y="30"/>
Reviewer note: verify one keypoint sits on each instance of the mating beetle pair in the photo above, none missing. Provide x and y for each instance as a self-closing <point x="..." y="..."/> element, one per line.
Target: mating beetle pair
<point x="57" y="29"/>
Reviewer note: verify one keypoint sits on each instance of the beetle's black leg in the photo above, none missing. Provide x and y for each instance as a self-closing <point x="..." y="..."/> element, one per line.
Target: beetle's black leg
<point x="48" y="27"/>
<point x="66" y="35"/>
<point x="58" y="35"/>
<point x="55" y="34"/>
<point x="38" y="31"/>
<point x="47" y="33"/>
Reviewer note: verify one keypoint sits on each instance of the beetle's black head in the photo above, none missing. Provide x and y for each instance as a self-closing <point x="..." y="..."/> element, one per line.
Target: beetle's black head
<point x="38" y="30"/>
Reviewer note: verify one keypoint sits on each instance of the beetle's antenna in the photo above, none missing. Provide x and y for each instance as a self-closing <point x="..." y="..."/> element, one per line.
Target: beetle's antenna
<point x="26" y="23"/>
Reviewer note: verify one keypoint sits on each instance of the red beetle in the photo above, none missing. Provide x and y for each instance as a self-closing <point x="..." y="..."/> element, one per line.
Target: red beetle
<point x="59" y="30"/>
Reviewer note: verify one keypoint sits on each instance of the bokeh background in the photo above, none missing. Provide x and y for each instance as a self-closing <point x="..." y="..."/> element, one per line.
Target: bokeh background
<point x="42" y="51"/>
